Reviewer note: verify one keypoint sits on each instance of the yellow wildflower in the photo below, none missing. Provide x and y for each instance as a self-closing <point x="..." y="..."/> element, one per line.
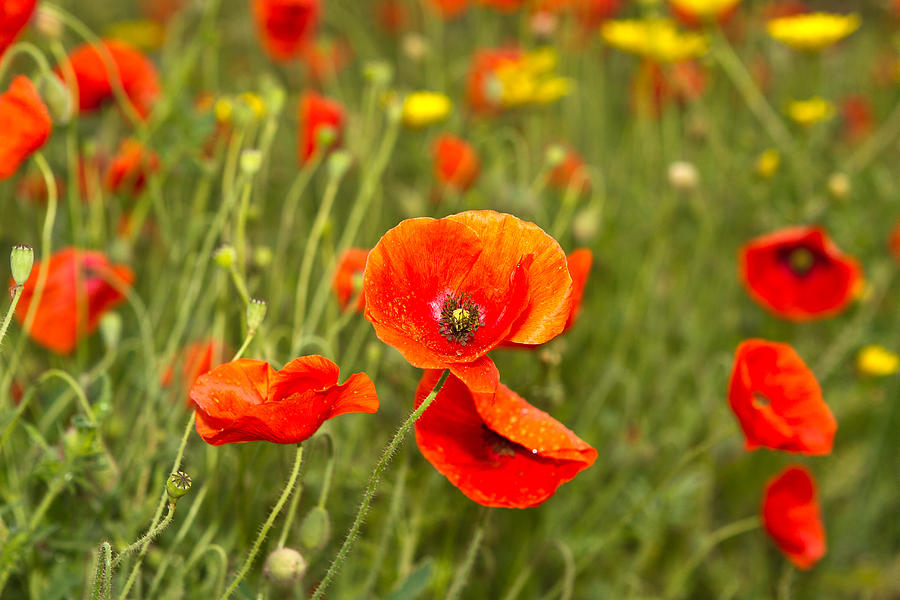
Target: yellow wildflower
<point x="813" y="31"/>
<point x="421" y="109"/>
<point x="531" y="80"/>
<point x="223" y="109"/>
<point x="144" y="34"/>
<point x="656" y="39"/>
<point x="768" y="163"/>
<point x="877" y="361"/>
<point x="255" y="103"/>
<point x="809" y="112"/>
<point x="706" y="10"/>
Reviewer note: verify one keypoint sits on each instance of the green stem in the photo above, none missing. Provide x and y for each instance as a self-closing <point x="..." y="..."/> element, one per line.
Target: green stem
<point x="876" y="143"/>
<point x="462" y="574"/>
<point x="369" y="492"/>
<point x="147" y="537"/>
<point x="23" y="48"/>
<point x="12" y="308"/>
<point x="289" y="208"/>
<point x="288" y="488"/>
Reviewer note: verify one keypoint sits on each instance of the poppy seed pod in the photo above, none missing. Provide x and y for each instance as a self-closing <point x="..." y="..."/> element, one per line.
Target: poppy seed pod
<point x="316" y="528"/>
<point x="178" y="484"/>
<point x="256" y="312"/>
<point x="58" y="99"/>
<point x="21" y="259"/>
<point x="285" y="565"/>
<point x="338" y="163"/>
<point x="111" y="329"/>
<point x="225" y="256"/>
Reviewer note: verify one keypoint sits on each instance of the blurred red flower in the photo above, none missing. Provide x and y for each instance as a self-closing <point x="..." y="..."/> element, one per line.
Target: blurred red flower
<point x="393" y="16"/>
<point x="325" y="59"/>
<point x="24" y="123"/>
<point x="317" y="112"/>
<point x="198" y="358"/>
<point x="858" y="116"/>
<point x="791" y="516"/>
<point x="14" y="16"/>
<point x="894" y="241"/>
<point x="481" y="88"/>
<point x="456" y="163"/>
<point x="445" y="292"/>
<point x="286" y="26"/>
<point x="247" y="400"/>
<point x="571" y="171"/>
<point x="799" y="274"/>
<point x="348" y="278"/>
<point x="655" y="86"/>
<point x="690" y="19"/>
<point x="95" y="83"/>
<point x="128" y="171"/>
<point x="497" y="448"/>
<point x="449" y="9"/>
<point x="161" y="10"/>
<point x="504" y="6"/>
<point x="777" y="400"/>
<point x="76" y="294"/>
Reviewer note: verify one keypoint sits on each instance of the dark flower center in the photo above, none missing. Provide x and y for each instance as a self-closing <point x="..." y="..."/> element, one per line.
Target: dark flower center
<point x="800" y="260"/>
<point x="499" y="444"/>
<point x="760" y="400"/>
<point x="460" y="319"/>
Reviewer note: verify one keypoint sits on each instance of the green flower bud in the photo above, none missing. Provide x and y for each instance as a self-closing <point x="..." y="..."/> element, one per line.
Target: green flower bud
<point x="57" y="97"/>
<point x="316" y="529"/>
<point x="285" y="565"/>
<point x="21" y="259"/>
<point x="111" y="329"/>
<point x="338" y="163"/>
<point x="178" y="484"/>
<point x="256" y="312"/>
<point x="378" y="72"/>
<point x="326" y="136"/>
<point x="225" y="256"/>
<point x="273" y="94"/>
<point x="251" y="161"/>
<point x="554" y="155"/>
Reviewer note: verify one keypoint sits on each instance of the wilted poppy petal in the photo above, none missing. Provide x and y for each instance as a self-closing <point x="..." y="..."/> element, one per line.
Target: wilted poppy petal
<point x="24" y="123"/>
<point x="791" y="516"/>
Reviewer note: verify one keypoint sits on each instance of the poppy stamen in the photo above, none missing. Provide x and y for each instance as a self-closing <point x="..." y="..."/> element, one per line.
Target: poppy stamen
<point x="801" y="260"/>
<point x="499" y="444"/>
<point x="460" y="319"/>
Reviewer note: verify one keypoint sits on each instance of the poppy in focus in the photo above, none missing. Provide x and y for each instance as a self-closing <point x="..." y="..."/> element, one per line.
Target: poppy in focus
<point x="799" y="274"/>
<point x="791" y="516"/>
<point x="95" y="83"/>
<point x="25" y="123"/>
<point x="76" y="294"/>
<point x="128" y="171"/>
<point x="777" y="400"/>
<point x="445" y="292"/>
<point x="286" y="26"/>
<point x="320" y="118"/>
<point x="498" y="449"/>
<point x="456" y="164"/>
<point x="348" y="280"/>
<point x="14" y="16"/>
<point x="247" y="400"/>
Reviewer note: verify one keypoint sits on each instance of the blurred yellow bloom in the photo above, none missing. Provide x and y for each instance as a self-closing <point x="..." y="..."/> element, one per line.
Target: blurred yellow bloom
<point x="223" y="109"/>
<point x="255" y="103"/>
<point x="809" y="112"/>
<point x="813" y="31"/>
<point x="421" y="109"/>
<point x="144" y="34"/>
<point x="768" y="163"/>
<point x="705" y="9"/>
<point x="877" y="361"/>
<point x="247" y="106"/>
<point x="531" y="80"/>
<point x="656" y="39"/>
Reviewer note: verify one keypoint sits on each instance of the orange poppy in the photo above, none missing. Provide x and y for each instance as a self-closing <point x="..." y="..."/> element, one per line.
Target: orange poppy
<point x="128" y="171"/>
<point x="456" y="164"/>
<point x="247" y="400"/>
<point x="449" y="9"/>
<point x="76" y="294"/>
<point x="445" y="292"/>
<point x="481" y="87"/>
<point x="326" y="59"/>
<point x="25" y="123"/>
<point x="791" y="516"/>
<point x="393" y="16"/>
<point x="655" y="86"/>
<point x="498" y="449"/>
<point x="14" y="16"/>
<point x="317" y="112"/>
<point x="137" y="73"/>
<point x="198" y="358"/>
<point x="690" y="19"/>
<point x="778" y="401"/>
<point x="348" y="279"/>
<point x="799" y="274"/>
<point x="571" y="171"/>
<point x="286" y="26"/>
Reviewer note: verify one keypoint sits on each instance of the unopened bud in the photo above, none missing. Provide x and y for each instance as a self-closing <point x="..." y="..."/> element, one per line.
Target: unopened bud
<point x="338" y="163"/>
<point x="379" y="72"/>
<point x="273" y="94"/>
<point x="326" y="136"/>
<point x="48" y="23"/>
<point x="839" y="185"/>
<point x="56" y="96"/>
<point x="256" y="312"/>
<point x="225" y="256"/>
<point x="683" y="176"/>
<point x="178" y="484"/>
<point x="316" y="528"/>
<point x="111" y="329"/>
<point x="21" y="259"/>
<point x="251" y="161"/>
<point x="285" y="565"/>
<point x="554" y="155"/>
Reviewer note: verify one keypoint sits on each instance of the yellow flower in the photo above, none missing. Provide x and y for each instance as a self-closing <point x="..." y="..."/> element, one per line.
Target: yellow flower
<point x="877" y="361"/>
<point x="813" y="31"/>
<point x="531" y="80"/>
<point x="809" y="112"/>
<point x="656" y="39"/>
<point x="768" y="163"/>
<point x="705" y="9"/>
<point x="255" y="103"/>
<point x="421" y="109"/>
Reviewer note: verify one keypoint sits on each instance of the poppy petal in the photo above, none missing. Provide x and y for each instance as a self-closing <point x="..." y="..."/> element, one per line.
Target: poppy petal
<point x="481" y="376"/>
<point x="792" y="518"/>
<point x="25" y="123"/>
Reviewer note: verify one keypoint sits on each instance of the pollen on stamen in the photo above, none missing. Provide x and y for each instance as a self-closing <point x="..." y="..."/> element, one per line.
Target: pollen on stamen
<point x="460" y="319"/>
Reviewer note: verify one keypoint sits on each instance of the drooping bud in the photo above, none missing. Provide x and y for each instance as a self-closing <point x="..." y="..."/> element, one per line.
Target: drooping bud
<point x="178" y="484"/>
<point x="48" y="23"/>
<point x="338" y="163"/>
<point x="57" y="97"/>
<point x="256" y="312"/>
<point x="225" y="256"/>
<point x="316" y="528"/>
<point x="111" y="329"/>
<point x="285" y="565"/>
<point x="21" y="259"/>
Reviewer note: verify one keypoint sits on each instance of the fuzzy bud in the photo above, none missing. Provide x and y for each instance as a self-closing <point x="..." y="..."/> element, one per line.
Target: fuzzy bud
<point x="251" y="161"/>
<point x="57" y="97"/>
<point x="256" y="312"/>
<point x="178" y="484"/>
<point x="285" y="565"/>
<point x="225" y="256"/>
<point x="316" y="528"/>
<point x="48" y="23"/>
<point x="378" y="72"/>
<point x="111" y="329"/>
<point x="338" y="163"/>
<point x="326" y="136"/>
<point x="21" y="259"/>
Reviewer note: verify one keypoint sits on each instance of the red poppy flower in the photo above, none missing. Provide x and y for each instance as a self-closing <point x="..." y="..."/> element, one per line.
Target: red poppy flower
<point x="198" y="358"/>
<point x="326" y="59"/>
<point x="137" y="73"/>
<point x="130" y="167"/>
<point x="690" y="19"/>
<point x="445" y="292"/>
<point x="504" y="6"/>
<point x="14" y="16"/>
<point x="393" y="16"/>
<point x="455" y="162"/>
<point x="348" y="279"/>
<point x="481" y="84"/>
<point x="317" y="112"/>
<point x="655" y="86"/>
<point x="247" y="400"/>
<point x="76" y="294"/>
<point x="449" y="9"/>
<point x="571" y="171"/>
<point x="777" y="400"/>
<point x="286" y="26"/>
<point x="25" y="124"/>
<point x="798" y="273"/>
<point x="858" y="116"/>
<point x="894" y="241"/>
<point x="497" y="448"/>
<point x="792" y="518"/>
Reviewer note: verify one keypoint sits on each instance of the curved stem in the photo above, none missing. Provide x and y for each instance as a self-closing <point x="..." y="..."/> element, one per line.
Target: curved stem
<point x="147" y="537"/>
<point x="12" y="308"/>
<point x="23" y="48"/>
<point x="369" y="492"/>
<point x="288" y="488"/>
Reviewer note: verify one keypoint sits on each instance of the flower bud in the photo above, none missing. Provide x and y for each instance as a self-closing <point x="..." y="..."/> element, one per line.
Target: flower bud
<point x="273" y="95"/>
<point x="225" y="256"/>
<point x="56" y="96"/>
<point x="326" y="136"/>
<point x="839" y="186"/>
<point x="554" y="155"/>
<point x="48" y="23"/>
<point x="316" y="528"/>
<point x="415" y="46"/>
<point x="378" y="72"/>
<point x="251" y="161"/>
<point x="256" y="312"/>
<point x="683" y="176"/>
<point x="21" y="259"/>
<point x="178" y="484"/>
<point x="111" y="329"/>
<point x="285" y="565"/>
<point x="338" y="163"/>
